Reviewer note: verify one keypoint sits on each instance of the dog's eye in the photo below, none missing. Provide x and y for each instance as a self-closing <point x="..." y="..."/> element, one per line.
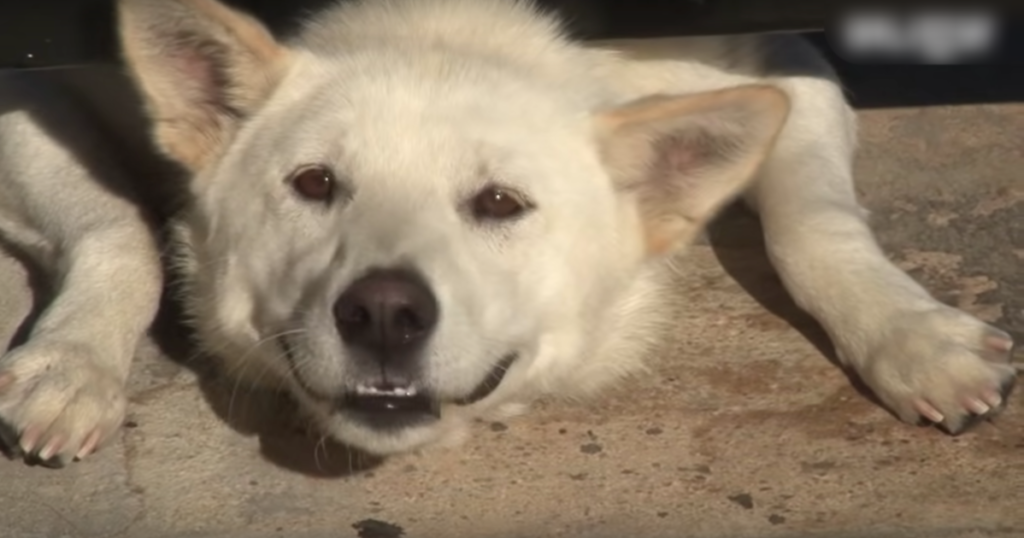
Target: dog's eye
<point x="496" y="203"/>
<point x="315" y="183"/>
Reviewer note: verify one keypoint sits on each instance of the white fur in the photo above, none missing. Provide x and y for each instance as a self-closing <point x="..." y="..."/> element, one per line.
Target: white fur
<point x="417" y="104"/>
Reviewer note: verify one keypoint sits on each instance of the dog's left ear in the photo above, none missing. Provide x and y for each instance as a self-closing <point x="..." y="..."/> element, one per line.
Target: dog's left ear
<point x="202" y="67"/>
<point x="683" y="158"/>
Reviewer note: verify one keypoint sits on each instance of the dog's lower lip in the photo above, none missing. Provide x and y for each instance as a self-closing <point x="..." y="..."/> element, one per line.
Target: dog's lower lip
<point x="491" y="382"/>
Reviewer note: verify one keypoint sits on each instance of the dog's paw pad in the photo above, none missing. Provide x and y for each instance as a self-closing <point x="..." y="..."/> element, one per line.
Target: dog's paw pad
<point x="58" y="403"/>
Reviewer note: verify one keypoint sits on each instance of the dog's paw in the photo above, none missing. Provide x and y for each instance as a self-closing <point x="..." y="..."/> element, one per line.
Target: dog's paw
<point x="942" y="365"/>
<point x="57" y="402"/>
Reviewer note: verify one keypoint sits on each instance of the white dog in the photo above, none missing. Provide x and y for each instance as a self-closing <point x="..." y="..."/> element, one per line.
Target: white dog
<point x="416" y="213"/>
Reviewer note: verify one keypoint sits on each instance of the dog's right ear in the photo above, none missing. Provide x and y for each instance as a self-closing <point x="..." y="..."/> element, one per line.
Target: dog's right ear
<point x="682" y="158"/>
<point x="202" y="67"/>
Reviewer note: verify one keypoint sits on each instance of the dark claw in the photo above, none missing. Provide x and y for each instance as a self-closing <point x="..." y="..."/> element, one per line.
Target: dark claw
<point x="1006" y="389"/>
<point x="964" y="424"/>
<point x="55" y="462"/>
<point x="11" y="448"/>
<point x="9" y="444"/>
<point x="1016" y="347"/>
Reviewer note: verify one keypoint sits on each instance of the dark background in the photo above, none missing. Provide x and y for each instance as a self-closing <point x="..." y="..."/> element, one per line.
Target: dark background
<point x="53" y="33"/>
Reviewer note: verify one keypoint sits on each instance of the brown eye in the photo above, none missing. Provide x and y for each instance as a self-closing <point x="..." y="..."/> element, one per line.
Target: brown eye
<point x="496" y="203"/>
<point x="316" y="183"/>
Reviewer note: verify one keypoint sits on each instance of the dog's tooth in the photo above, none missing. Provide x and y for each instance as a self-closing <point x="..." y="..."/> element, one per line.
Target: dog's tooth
<point x="394" y="392"/>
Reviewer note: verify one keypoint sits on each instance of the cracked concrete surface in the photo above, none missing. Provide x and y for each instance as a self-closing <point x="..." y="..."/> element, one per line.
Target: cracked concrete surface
<point x="743" y="429"/>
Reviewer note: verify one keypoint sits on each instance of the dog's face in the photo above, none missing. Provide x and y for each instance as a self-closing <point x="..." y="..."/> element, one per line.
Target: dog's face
<point x="408" y="242"/>
<point x="407" y="238"/>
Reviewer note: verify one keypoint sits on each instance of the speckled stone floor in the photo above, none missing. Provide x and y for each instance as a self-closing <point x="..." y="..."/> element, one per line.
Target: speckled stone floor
<point x="744" y="428"/>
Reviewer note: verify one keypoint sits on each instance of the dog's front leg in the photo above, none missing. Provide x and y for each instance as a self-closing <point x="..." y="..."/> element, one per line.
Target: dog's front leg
<point x="921" y="357"/>
<point x="62" y="392"/>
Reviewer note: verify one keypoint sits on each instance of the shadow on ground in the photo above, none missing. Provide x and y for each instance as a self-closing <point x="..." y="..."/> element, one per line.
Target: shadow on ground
<point x="737" y="240"/>
<point x="285" y="439"/>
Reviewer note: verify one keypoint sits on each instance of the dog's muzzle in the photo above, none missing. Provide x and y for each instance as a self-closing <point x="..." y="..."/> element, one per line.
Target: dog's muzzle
<point x="385" y="319"/>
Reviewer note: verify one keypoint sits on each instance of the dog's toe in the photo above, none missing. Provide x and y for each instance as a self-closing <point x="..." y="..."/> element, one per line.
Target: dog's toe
<point x="993" y="404"/>
<point x="944" y="366"/>
<point x="60" y="407"/>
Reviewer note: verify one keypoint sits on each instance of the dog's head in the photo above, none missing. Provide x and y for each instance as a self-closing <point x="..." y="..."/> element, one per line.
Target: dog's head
<point x="407" y="235"/>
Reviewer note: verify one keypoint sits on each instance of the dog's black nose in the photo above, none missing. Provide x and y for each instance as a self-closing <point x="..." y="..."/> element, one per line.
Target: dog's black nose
<point x="386" y="312"/>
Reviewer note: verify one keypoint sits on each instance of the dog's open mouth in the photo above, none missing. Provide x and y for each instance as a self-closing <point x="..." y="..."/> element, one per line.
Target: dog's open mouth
<point x="388" y="406"/>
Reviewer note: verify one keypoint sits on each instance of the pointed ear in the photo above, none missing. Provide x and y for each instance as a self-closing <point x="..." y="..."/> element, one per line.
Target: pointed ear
<point x="683" y="158"/>
<point x="202" y="67"/>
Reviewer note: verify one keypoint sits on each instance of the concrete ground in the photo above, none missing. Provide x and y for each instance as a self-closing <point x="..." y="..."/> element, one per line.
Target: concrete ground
<point x="744" y="429"/>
